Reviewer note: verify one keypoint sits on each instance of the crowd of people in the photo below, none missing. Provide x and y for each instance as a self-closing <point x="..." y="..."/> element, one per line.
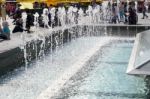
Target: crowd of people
<point x="51" y="16"/>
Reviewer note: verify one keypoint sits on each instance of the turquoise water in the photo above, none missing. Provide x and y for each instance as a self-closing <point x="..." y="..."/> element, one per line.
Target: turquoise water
<point x="103" y="77"/>
<point x="107" y="78"/>
<point x="21" y="84"/>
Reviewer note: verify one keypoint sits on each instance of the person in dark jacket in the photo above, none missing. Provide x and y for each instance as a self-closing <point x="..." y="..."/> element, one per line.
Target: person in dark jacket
<point x="28" y="21"/>
<point x="126" y="13"/>
<point x="144" y="12"/>
<point x="132" y="16"/>
<point x="18" y="26"/>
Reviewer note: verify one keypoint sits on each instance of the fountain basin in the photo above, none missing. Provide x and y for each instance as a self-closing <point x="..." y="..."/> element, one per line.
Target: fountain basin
<point x="42" y="75"/>
<point x="105" y="77"/>
<point x="12" y="56"/>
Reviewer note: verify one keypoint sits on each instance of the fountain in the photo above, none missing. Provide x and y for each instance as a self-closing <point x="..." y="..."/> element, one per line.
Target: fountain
<point x="52" y="12"/>
<point x="75" y="14"/>
<point x="24" y="17"/>
<point x="89" y="13"/>
<point x="70" y="15"/>
<point x="81" y="16"/>
<point x="45" y="18"/>
<point x="36" y="17"/>
<point x="78" y="45"/>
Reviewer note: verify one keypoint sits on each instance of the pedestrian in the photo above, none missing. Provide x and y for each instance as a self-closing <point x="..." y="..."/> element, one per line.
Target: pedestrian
<point x="132" y="16"/>
<point x="18" y="26"/>
<point x="121" y="12"/>
<point x="144" y="12"/>
<point x="114" y="14"/>
<point x="126" y="14"/>
<point x="28" y="21"/>
<point x="3" y="12"/>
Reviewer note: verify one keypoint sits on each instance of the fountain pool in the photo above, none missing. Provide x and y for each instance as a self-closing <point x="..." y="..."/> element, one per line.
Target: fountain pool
<point x="105" y="78"/>
<point x="46" y="76"/>
<point x="28" y="84"/>
<point x="82" y="60"/>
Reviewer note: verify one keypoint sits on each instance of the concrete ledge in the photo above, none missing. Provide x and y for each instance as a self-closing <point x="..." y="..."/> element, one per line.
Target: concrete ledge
<point x="131" y="64"/>
<point x="140" y="64"/>
<point x="10" y="59"/>
<point x="11" y="56"/>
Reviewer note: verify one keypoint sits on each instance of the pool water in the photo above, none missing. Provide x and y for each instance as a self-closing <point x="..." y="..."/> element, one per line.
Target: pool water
<point x="107" y="78"/>
<point x="28" y="84"/>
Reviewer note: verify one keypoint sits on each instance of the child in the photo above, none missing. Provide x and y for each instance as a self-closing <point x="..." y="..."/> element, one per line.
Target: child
<point x="6" y="30"/>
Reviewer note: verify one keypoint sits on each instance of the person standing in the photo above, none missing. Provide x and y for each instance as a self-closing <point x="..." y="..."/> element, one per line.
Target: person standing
<point x="28" y="21"/>
<point x="126" y="14"/>
<point x="3" y="12"/>
<point x="144" y="12"/>
<point x="133" y="19"/>
<point x="121" y="12"/>
<point x="114" y="13"/>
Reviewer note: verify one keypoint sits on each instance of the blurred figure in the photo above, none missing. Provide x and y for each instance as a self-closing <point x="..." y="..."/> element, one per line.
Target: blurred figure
<point x="114" y="14"/>
<point x="126" y="13"/>
<point x="108" y="12"/>
<point x="40" y="21"/>
<point x="29" y="21"/>
<point x="46" y="18"/>
<point x="132" y="16"/>
<point x="5" y="32"/>
<point x="121" y="12"/>
<point x="75" y="14"/>
<point x="52" y="12"/>
<point x="144" y="12"/>
<point x="17" y="13"/>
<point x="3" y="12"/>
<point x="19" y="26"/>
<point x="80" y="16"/>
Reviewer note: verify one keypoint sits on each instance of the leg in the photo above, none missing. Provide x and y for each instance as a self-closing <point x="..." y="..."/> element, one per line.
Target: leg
<point x="143" y="15"/>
